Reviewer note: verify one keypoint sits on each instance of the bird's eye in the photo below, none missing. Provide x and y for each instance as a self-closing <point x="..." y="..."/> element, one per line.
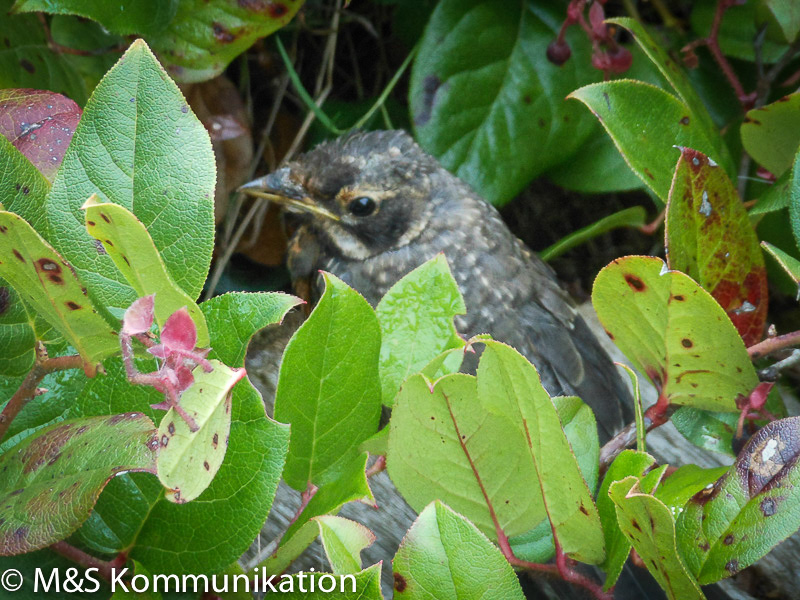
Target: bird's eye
<point x="362" y="206"/>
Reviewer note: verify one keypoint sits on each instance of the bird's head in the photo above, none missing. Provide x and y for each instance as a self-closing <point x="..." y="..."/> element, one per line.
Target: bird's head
<point x="362" y="194"/>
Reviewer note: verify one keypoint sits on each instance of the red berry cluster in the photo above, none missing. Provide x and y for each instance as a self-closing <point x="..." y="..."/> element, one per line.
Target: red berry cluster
<point x="607" y="54"/>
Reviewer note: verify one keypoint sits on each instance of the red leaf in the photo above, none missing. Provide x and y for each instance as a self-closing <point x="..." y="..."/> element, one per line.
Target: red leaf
<point x="139" y="316"/>
<point x="179" y="333"/>
<point x="710" y="238"/>
<point x="39" y="124"/>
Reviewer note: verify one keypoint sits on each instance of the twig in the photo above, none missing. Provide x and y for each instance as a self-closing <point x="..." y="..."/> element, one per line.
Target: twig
<point x="42" y="366"/>
<point x="104" y="568"/>
<point x="654" y="225"/>
<point x="772" y="372"/>
<point x="712" y="43"/>
<point x="773" y="344"/>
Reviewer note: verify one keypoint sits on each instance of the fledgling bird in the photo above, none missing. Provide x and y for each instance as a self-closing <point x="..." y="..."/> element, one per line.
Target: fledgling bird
<point x="370" y="207"/>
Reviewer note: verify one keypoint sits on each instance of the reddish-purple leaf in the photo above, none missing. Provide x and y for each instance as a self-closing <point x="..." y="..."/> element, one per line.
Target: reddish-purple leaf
<point x="139" y="316"/>
<point x="709" y="237"/>
<point x="179" y="333"/>
<point x="51" y="479"/>
<point x="39" y="124"/>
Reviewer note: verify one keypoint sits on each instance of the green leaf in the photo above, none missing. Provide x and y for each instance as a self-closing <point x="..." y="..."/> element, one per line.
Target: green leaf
<point x="771" y="133"/>
<point x="416" y="319"/>
<point x="40" y="124"/>
<point x="635" y="216"/>
<point x="685" y="482"/>
<point x="377" y="444"/>
<point x="709" y="237"/>
<point x="293" y="546"/>
<point x="22" y="185"/>
<point x="446" y="421"/>
<point x="119" y="513"/>
<point x="672" y="330"/>
<point x="328" y="387"/>
<point x="203" y="38"/>
<point x="641" y="431"/>
<point x="343" y="541"/>
<point x="50" y="286"/>
<point x="137" y="145"/>
<point x="579" y="424"/>
<point x="129" y="245"/>
<point x="442" y="543"/>
<point x="478" y="93"/>
<point x="26" y="61"/>
<point x="189" y="460"/>
<point x="629" y="462"/>
<point x="706" y="429"/>
<point x="650" y="528"/>
<point x="51" y="480"/>
<point x="235" y="317"/>
<point x="731" y="524"/>
<point x="596" y="168"/>
<point x="126" y="593"/>
<point x="16" y="335"/>
<point x="505" y="380"/>
<point x="776" y="197"/>
<point x="672" y="72"/>
<point x="787" y="262"/>
<point x="95" y="42"/>
<point x="787" y="14"/>
<point x="364" y="585"/>
<point x="123" y="17"/>
<point x="645" y="122"/>
<point x="241" y="494"/>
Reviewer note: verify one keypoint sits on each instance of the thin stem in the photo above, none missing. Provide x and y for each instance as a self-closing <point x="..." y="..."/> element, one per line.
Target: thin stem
<point x="772" y="372"/>
<point x="29" y="387"/>
<point x="712" y="43"/>
<point x="773" y="344"/>
<point x="104" y="568"/>
<point x="378" y="466"/>
<point x="305" y="498"/>
<point x="654" y="417"/>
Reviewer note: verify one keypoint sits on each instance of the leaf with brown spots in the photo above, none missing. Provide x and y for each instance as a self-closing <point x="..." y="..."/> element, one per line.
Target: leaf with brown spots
<point x="52" y="478"/>
<point x="189" y="460"/>
<point x="130" y="246"/>
<point x="442" y="543"/>
<point x="39" y="124"/>
<point x="709" y="237"/>
<point x="675" y="332"/>
<point x="48" y="284"/>
<point x="203" y="38"/>
<point x="735" y="521"/>
<point x="649" y="526"/>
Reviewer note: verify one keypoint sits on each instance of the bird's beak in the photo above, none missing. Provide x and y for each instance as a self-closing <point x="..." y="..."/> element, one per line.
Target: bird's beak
<point x="277" y="187"/>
